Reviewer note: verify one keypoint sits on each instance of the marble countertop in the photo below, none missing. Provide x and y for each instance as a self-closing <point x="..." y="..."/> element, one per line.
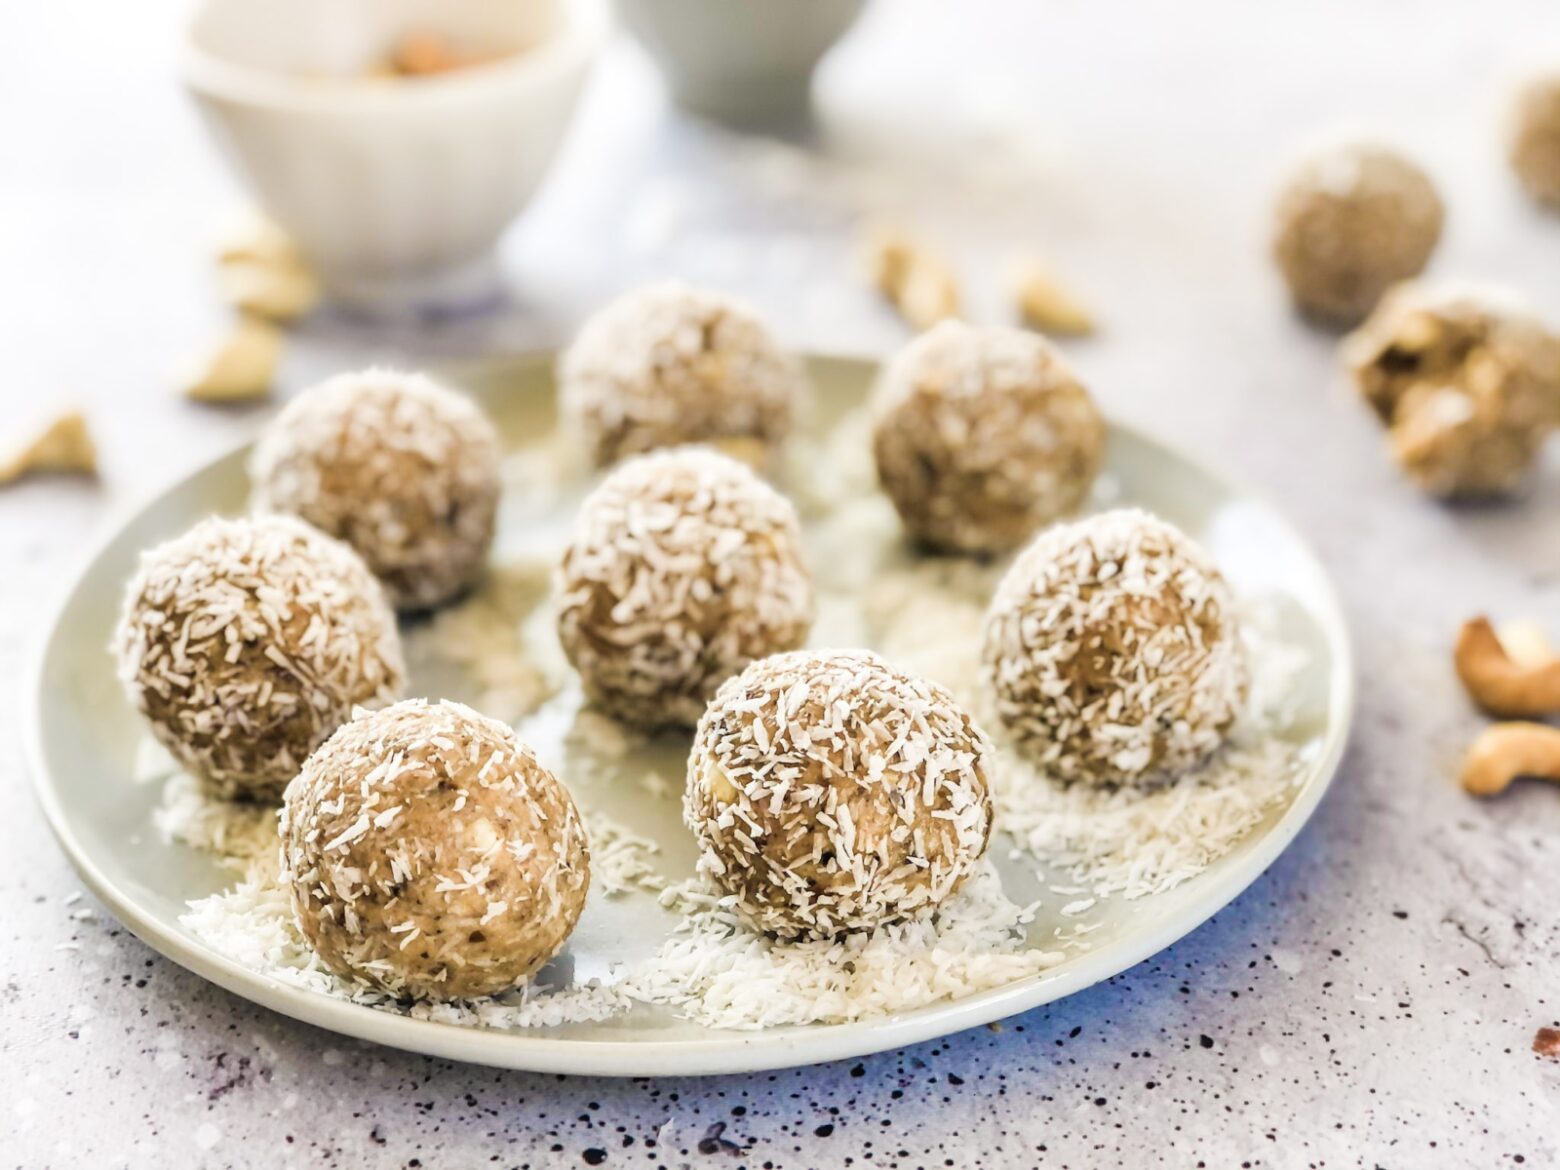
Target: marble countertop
<point x="1371" y="1001"/>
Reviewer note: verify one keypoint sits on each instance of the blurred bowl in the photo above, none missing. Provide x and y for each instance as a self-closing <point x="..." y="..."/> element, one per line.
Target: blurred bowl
<point x="735" y="61"/>
<point x="396" y="189"/>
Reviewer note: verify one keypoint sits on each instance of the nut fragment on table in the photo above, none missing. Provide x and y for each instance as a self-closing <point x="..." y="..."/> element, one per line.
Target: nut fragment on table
<point x="1046" y="305"/>
<point x="1534" y="149"/>
<point x="1467" y="382"/>
<point x="1546" y="1042"/>
<point x="257" y="238"/>
<point x="279" y="292"/>
<point x="916" y="280"/>
<point x="261" y="271"/>
<point x="1508" y="751"/>
<point x="63" y="446"/>
<point x="1349" y="223"/>
<point x="1511" y="676"/>
<point x="241" y="367"/>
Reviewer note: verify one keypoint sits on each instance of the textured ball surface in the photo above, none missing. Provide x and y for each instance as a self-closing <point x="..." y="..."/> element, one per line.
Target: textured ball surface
<point x="401" y="468"/>
<point x="983" y="436"/>
<point x="685" y="566"/>
<point x="1535" y="139"/>
<point x="831" y="793"/>
<point x="670" y="364"/>
<point x="245" y="643"/>
<point x="1112" y="651"/>
<point x="1466" y="381"/>
<point x="430" y="855"/>
<point x="1350" y="223"/>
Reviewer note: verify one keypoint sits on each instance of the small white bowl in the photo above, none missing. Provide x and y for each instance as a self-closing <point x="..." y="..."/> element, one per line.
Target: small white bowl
<point x="396" y="190"/>
<point x="739" y="62"/>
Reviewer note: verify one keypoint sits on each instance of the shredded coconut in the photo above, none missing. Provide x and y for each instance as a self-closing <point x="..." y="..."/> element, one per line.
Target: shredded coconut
<point x="718" y="973"/>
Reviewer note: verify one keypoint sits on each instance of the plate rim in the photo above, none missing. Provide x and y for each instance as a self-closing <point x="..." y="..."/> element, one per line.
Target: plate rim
<point x="733" y="1051"/>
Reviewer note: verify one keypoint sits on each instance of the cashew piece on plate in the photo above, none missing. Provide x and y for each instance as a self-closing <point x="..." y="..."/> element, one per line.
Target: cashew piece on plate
<point x="1508" y="750"/>
<point x="1511" y="677"/>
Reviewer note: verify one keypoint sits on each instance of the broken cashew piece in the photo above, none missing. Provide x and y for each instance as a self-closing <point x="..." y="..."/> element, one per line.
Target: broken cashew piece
<point x="253" y="237"/>
<point x="1508" y="750"/>
<point x="261" y="271"/>
<point x="1523" y="685"/>
<point x="277" y="290"/>
<point x="1046" y="306"/>
<point x="63" y="446"/>
<point x="242" y="367"/>
<point x="916" y="281"/>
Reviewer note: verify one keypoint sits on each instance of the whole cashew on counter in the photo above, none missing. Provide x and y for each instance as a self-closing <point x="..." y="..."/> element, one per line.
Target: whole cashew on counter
<point x="1513" y="677"/>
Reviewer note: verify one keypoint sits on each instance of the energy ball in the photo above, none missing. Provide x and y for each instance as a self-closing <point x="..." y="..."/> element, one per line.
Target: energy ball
<point x="685" y="567"/>
<point x="430" y="855"/>
<point x="670" y="364"/>
<point x="1535" y="139"/>
<point x="401" y="468"/>
<point x="983" y="436"/>
<point x="831" y="793"/>
<point x="1350" y="223"/>
<point x="246" y="643"/>
<point x="1466" y="381"/>
<point x="1112" y="650"/>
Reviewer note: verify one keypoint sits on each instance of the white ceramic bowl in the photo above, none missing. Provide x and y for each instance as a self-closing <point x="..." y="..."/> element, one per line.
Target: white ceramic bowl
<point x="397" y="190"/>
<point x="735" y="61"/>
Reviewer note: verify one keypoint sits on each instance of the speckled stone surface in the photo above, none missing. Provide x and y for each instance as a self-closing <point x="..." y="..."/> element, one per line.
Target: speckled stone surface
<point x="1371" y="1001"/>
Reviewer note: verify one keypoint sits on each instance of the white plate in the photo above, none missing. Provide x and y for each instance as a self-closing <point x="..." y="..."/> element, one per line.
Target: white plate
<point x="83" y="736"/>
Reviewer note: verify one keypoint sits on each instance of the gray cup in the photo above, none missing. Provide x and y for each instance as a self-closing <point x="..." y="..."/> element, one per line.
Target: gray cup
<point x="739" y="60"/>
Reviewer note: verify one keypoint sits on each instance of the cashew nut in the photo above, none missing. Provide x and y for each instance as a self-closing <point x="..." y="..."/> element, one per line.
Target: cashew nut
<point x="1509" y="750"/>
<point x="918" y="282"/>
<point x="1046" y="306"/>
<point x="241" y="367"/>
<point x="63" y="446"/>
<point x="1501" y="684"/>
<point x="280" y="290"/>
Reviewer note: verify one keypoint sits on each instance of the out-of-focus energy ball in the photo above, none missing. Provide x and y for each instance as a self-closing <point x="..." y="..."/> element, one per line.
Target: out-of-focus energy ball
<point x="1351" y="222"/>
<point x="403" y="469"/>
<point x="670" y="364"/>
<point x="1466" y="381"/>
<point x="983" y="436"/>
<point x="1535" y="139"/>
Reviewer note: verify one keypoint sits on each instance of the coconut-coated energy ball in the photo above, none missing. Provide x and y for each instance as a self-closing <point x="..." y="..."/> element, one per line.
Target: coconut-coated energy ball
<point x="1112" y="650"/>
<point x="403" y="469"/>
<point x="685" y="566"/>
<point x="831" y="793"/>
<point x="1466" y="381"/>
<point x="1535" y="138"/>
<point x="983" y="436"/>
<point x="430" y="855"/>
<point x="1351" y="222"/>
<point x="246" y="642"/>
<point x="670" y="364"/>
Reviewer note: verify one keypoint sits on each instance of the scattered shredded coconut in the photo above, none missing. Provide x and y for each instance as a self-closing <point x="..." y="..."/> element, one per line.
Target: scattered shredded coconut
<point x="487" y="637"/>
<point x="620" y="858"/>
<point x="720" y="974"/>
